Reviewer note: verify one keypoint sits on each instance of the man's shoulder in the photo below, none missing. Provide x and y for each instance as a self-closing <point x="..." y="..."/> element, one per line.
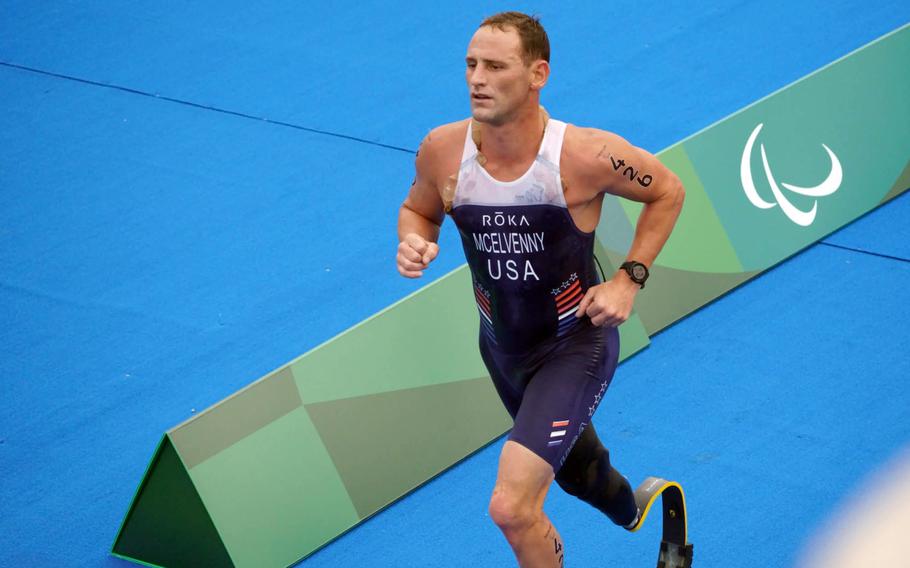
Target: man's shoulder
<point x="445" y="135"/>
<point x="584" y="137"/>
<point x="584" y="149"/>
<point x="440" y="150"/>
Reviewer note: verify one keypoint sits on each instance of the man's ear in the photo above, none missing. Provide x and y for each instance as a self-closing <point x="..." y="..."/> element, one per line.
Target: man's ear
<point x="540" y="72"/>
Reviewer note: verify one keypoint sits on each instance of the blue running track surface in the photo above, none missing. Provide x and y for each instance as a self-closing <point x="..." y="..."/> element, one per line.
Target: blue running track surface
<point x="192" y="194"/>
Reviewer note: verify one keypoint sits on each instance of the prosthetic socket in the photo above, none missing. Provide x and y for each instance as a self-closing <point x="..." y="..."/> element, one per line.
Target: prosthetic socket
<point x="588" y="475"/>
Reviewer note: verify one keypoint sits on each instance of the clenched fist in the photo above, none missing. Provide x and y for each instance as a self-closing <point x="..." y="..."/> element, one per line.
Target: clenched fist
<point x="414" y="255"/>
<point x="610" y="303"/>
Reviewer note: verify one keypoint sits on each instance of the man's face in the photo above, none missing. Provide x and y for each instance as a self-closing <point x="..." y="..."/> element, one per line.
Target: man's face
<point x="499" y="82"/>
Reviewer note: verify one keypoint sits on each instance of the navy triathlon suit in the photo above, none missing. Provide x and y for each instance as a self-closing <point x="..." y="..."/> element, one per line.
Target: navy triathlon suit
<point x="530" y="268"/>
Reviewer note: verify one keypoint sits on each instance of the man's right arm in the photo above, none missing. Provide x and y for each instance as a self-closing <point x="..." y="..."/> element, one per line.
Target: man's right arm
<point x="421" y="215"/>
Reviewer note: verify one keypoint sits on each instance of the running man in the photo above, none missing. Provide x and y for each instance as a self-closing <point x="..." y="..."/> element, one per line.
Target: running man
<point x="525" y="192"/>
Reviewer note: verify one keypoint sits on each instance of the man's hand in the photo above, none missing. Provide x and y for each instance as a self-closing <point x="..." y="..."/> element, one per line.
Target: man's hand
<point x="414" y="255"/>
<point x="609" y="303"/>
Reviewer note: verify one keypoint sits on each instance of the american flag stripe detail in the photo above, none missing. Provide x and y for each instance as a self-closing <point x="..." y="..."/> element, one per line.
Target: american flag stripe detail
<point x="564" y="328"/>
<point x="577" y="295"/>
<point x="481" y="298"/>
<point x="554" y="443"/>
<point x="570" y="321"/>
<point x="569" y="309"/>
<point x="575" y="285"/>
<point x="557" y="433"/>
<point x="486" y="317"/>
<point x="562" y="317"/>
<point x="560" y="423"/>
<point x="568" y="313"/>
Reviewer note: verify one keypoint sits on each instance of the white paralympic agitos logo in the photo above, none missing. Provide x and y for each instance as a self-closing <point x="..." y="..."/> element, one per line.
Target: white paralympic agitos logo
<point x="798" y="216"/>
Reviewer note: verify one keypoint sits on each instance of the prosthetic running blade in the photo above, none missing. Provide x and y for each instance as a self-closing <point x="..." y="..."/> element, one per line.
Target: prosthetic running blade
<point x="675" y="551"/>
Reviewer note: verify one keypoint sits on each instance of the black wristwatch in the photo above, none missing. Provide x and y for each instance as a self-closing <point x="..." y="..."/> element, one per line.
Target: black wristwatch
<point x="637" y="271"/>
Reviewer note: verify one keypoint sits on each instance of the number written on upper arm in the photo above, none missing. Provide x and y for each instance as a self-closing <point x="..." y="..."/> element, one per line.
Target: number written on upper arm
<point x="625" y="169"/>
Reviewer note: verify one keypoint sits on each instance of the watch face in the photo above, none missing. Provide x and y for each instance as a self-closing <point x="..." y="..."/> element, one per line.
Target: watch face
<point x="639" y="272"/>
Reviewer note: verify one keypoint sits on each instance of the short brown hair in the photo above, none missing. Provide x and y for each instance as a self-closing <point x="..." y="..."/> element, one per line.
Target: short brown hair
<point x="534" y="41"/>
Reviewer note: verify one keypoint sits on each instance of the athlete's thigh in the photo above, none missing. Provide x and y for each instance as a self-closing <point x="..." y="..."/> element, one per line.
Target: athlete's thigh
<point x="523" y="476"/>
<point x="563" y="394"/>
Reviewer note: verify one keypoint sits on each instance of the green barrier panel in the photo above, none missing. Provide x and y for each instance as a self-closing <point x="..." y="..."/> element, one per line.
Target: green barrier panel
<point x="280" y="468"/>
<point x="777" y="176"/>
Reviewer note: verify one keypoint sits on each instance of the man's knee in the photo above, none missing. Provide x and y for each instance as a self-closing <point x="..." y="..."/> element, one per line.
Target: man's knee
<point x="511" y="512"/>
<point x="588" y="475"/>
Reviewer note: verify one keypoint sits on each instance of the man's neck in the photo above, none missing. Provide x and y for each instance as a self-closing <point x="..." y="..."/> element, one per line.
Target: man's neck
<point x="516" y="141"/>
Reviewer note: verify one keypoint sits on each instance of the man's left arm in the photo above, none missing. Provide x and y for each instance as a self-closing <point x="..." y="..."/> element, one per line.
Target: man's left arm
<point x="617" y="167"/>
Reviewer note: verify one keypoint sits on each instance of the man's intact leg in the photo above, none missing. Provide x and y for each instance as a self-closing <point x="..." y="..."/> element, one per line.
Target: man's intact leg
<point x="517" y="507"/>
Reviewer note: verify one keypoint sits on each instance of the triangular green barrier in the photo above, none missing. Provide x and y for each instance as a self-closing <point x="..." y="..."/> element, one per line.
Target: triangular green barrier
<point x="282" y="467"/>
<point x="168" y="525"/>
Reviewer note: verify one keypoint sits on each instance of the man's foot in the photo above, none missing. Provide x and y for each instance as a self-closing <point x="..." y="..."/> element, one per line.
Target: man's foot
<point x="675" y="551"/>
